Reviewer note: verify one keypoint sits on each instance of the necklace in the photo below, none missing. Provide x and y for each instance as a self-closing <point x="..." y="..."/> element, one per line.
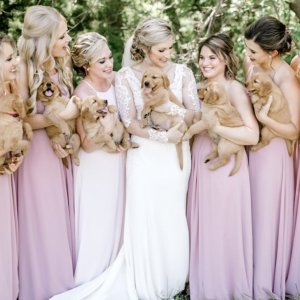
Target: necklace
<point x="93" y="88"/>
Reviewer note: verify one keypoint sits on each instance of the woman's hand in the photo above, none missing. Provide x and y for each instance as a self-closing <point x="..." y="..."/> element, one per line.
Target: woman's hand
<point x="174" y="135"/>
<point x="120" y="149"/>
<point x="12" y="166"/>
<point x="59" y="151"/>
<point x="262" y="114"/>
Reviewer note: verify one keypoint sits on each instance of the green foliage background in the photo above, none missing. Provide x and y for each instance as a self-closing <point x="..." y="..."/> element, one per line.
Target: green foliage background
<point x="191" y="19"/>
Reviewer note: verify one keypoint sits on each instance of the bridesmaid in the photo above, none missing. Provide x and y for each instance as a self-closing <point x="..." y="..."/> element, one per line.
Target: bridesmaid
<point x="8" y="209"/>
<point x="219" y="206"/>
<point x="293" y="280"/>
<point x="271" y="168"/>
<point x="45" y="187"/>
<point x="99" y="181"/>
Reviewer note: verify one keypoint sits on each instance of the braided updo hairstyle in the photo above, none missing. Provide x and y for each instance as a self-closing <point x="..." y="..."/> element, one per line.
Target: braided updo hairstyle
<point x="148" y="33"/>
<point x="87" y="50"/>
<point x="270" y="34"/>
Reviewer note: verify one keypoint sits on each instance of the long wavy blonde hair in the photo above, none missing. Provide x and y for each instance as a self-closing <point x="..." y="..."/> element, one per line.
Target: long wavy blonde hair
<point x="39" y="34"/>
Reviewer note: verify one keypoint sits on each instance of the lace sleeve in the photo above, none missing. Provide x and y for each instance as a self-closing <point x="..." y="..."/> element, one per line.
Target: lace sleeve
<point x="190" y="96"/>
<point x="124" y="98"/>
<point x="159" y="136"/>
<point x="176" y="110"/>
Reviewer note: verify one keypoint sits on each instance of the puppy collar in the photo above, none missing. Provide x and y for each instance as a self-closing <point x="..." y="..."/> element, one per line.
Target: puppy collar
<point x="12" y="114"/>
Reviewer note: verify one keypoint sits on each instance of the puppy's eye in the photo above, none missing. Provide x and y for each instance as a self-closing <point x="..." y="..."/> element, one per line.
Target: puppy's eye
<point x="94" y="101"/>
<point x="154" y="77"/>
<point x="255" y="81"/>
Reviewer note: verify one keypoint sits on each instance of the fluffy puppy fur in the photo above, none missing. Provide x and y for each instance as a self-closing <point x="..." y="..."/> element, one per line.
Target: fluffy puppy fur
<point x="216" y="107"/>
<point x="160" y="105"/>
<point x="62" y="132"/>
<point x="261" y="87"/>
<point x="12" y="129"/>
<point x="102" y="124"/>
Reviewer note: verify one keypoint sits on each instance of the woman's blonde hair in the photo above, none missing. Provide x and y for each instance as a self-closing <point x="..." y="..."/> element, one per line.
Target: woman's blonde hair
<point x="147" y="34"/>
<point x="39" y="34"/>
<point x="5" y="39"/>
<point x="87" y="50"/>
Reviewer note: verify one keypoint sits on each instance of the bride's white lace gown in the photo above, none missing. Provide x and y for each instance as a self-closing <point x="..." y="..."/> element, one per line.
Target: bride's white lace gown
<point x="153" y="262"/>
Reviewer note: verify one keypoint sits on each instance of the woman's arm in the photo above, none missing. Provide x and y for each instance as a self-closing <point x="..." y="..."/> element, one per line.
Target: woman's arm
<point x="70" y="112"/>
<point x="243" y="135"/>
<point x="190" y="96"/>
<point x="290" y="89"/>
<point x="295" y="63"/>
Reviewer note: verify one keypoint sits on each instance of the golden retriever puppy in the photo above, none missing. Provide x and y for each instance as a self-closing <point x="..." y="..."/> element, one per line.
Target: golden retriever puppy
<point x="160" y="105"/>
<point x="102" y="124"/>
<point x="261" y="87"/>
<point x="62" y="132"/>
<point x="13" y="128"/>
<point x="216" y="107"/>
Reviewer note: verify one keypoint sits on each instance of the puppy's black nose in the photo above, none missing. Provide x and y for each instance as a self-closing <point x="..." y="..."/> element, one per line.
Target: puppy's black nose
<point x="105" y="102"/>
<point x="146" y="83"/>
<point x="48" y="85"/>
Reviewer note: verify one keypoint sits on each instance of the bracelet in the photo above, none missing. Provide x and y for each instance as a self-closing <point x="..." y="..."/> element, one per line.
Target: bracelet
<point x="159" y="136"/>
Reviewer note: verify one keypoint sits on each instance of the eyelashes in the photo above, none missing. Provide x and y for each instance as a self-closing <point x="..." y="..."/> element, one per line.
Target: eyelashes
<point x="102" y="61"/>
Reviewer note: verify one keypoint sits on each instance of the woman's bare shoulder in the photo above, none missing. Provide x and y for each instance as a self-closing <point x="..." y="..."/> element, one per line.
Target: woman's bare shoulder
<point x="82" y="90"/>
<point x="285" y="73"/>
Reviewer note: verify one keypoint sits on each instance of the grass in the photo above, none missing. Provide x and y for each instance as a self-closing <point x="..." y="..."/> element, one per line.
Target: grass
<point x="184" y="295"/>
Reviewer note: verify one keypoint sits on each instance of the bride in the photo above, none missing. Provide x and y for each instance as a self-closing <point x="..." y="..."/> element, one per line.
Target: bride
<point x="153" y="262"/>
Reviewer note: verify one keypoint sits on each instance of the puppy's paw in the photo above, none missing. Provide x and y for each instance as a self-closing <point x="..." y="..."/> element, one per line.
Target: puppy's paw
<point x="134" y="145"/>
<point x="256" y="147"/>
<point x="77" y="101"/>
<point x="28" y="130"/>
<point x="76" y="161"/>
<point x="112" y="108"/>
<point x="66" y="131"/>
<point x="143" y="123"/>
<point x="187" y="136"/>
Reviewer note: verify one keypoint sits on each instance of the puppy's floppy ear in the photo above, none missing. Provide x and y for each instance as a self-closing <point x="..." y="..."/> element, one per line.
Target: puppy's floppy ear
<point x="84" y="112"/>
<point x="265" y="89"/>
<point x="215" y="96"/>
<point x="46" y="76"/>
<point x="166" y="81"/>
